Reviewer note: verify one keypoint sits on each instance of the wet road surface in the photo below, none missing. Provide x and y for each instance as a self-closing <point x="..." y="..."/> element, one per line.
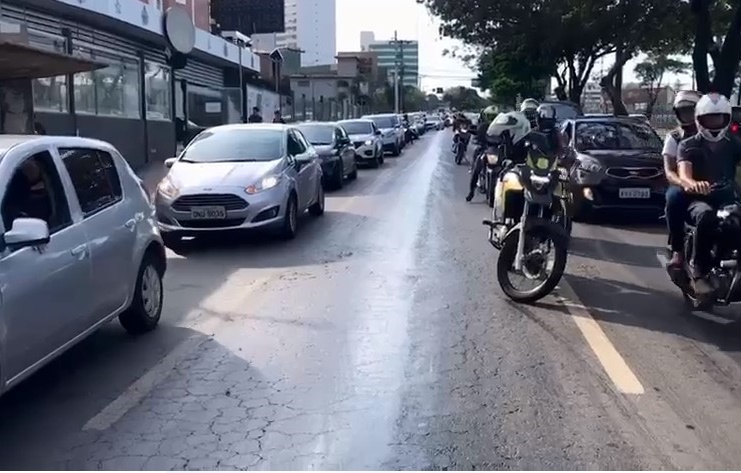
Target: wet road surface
<point x="378" y="338"/>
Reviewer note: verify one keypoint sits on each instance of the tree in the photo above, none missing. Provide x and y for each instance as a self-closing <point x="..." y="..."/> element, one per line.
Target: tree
<point x="464" y="98"/>
<point x="414" y="99"/>
<point x="651" y="74"/>
<point x="567" y="36"/>
<point x="724" y="51"/>
<point x="433" y="102"/>
<point x="509" y="74"/>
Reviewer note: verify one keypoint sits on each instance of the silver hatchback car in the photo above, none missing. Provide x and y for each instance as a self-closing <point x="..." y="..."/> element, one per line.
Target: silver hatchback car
<point x="79" y="246"/>
<point x="240" y="177"/>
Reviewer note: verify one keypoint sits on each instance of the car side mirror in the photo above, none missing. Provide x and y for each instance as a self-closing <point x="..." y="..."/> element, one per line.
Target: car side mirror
<point x="378" y="132"/>
<point x="169" y="162"/>
<point x="27" y="232"/>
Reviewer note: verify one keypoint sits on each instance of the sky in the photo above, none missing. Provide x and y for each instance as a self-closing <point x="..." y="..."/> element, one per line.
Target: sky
<point x="413" y="22"/>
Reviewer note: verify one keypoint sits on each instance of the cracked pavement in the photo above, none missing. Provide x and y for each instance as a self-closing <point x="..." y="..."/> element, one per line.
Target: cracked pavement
<point x="379" y="339"/>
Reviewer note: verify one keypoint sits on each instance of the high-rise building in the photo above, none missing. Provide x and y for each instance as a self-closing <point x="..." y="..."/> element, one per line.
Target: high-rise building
<point x="310" y="25"/>
<point x="391" y="53"/>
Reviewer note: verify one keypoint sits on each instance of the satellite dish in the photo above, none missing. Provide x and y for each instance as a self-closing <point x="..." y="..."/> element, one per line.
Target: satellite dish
<point x="276" y="56"/>
<point x="179" y="30"/>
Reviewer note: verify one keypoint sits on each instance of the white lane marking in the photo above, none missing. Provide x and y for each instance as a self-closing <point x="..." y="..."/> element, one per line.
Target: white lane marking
<point x="228" y="299"/>
<point x="663" y="260"/>
<point x="610" y="359"/>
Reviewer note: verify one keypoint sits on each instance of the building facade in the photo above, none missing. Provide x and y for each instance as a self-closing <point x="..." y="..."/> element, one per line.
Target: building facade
<point x="310" y="25"/>
<point x="138" y="103"/>
<point x="391" y="53"/>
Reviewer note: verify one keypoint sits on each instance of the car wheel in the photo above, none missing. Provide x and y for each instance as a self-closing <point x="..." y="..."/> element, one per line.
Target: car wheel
<point x="396" y="151"/>
<point x="338" y="180"/>
<point x="317" y="208"/>
<point x="289" y="226"/>
<point x="145" y="310"/>
<point x="375" y="163"/>
<point x="354" y="174"/>
<point x="381" y="159"/>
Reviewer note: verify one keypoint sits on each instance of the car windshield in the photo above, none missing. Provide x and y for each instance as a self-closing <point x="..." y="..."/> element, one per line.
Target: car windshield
<point x="599" y="135"/>
<point x="357" y="128"/>
<point x="235" y="145"/>
<point x="318" y="134"/>
<point x="383" y="122"/>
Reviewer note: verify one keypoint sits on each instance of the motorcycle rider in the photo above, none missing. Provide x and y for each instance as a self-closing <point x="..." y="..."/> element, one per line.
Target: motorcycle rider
<point x="548" y="125"/>
<point x="677" y="200"/>
<point x="485" y="118"/>
<point x="459" y="122"/>
<point x="530" y="108"/>
<point x="705" y="160"/>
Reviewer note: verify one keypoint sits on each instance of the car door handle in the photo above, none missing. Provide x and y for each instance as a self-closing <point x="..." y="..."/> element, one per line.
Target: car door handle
<point x="79" y="251"/>
<point x="130" y="224"/>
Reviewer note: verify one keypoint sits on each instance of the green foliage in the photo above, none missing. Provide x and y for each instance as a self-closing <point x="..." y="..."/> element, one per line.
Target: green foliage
<point x="414" y="99"/>
<point x="505" y="75"/>
<point x="651" y="73"/>
<point x="464" y="98"/>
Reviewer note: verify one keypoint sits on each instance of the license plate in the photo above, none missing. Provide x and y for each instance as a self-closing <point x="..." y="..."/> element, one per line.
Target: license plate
<point x="635" y="193"/>
<point x="208" y="213"/>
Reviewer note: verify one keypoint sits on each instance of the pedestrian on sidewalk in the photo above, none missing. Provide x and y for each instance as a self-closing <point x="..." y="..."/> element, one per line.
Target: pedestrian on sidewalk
<point x="277" y="118"/>
<point x="255" y="117"/>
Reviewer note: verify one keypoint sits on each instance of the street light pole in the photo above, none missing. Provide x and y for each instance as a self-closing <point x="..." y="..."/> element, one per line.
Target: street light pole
<point x="396" y="73"/>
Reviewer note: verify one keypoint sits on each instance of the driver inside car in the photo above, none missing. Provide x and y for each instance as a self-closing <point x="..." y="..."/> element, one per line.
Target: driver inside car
<point x="707" y="167"/>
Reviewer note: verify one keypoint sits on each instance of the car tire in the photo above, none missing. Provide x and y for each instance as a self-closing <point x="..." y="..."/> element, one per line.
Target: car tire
<point x="289" y="226"/>
<point x="396" y="151"/>
<point x="145" y="310"/>
<point x="317" y="208"/>
<point x="354" y="174"/>
<point x="381" y="159"/>
<point x="338" y="179"/>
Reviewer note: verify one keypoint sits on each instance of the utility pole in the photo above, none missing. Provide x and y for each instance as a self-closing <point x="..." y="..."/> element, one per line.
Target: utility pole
<point x="399" y="71"/>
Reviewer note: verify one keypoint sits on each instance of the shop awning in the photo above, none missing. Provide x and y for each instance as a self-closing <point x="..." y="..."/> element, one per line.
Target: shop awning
<point x="21" y="61"/>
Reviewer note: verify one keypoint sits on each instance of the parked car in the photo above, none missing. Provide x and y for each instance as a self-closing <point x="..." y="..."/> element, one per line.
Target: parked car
<point x="335" y="149"/>
<point x="391" y="133"/>
<point x="240" y="177"/>
<point x="79" y="247"/>
<point x="366" y="137"/>
<point x="615" y="163"/>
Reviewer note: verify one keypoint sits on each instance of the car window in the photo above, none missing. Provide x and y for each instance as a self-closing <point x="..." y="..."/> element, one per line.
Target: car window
<point x="302" y="139"/>
<point x="358" y="128"/>
<point x="567" y="130"/>
<point x="36" y="191"/>
<point x="317" y="134"/>
<point x="383" y="122"/>
<point x="294" y="145"/>
<point x="95" y="178"/>
<point x="338" y="135"/>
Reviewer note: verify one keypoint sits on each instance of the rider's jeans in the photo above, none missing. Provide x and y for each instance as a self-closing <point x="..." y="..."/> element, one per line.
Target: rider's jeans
<point x="677" y="203"/>
<point x="478" y="168"/>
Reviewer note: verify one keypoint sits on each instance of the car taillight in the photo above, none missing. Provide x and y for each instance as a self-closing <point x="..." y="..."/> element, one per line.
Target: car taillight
<point x="734" y="127"/>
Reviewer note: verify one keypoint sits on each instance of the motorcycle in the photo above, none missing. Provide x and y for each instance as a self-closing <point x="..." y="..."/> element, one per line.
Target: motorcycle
<point x="488" y="176"/>
<point x="461" y="144"/>
<point x="527" y="225"/>
<point x="410" y="135"/>
<point x="725" y="275"/>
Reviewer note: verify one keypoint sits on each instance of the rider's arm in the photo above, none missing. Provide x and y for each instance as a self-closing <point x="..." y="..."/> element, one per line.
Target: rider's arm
<point x="686" y="156"/>
<point x="670" y="150"/>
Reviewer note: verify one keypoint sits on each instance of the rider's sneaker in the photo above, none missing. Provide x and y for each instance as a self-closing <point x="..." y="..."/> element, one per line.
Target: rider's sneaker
<point x="677" y="261"/>
<point x="469" y="197"/>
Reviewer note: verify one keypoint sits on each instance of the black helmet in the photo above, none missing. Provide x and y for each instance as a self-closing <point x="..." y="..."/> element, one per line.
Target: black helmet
<point x="546" y="118"/>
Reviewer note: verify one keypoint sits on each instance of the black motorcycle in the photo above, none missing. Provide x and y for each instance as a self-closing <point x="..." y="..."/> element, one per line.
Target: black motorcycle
<point x="410" y="134"/>
<point x="461" y="144"/>
<point x="724" y="277"/>
<point x="525" y="226"/>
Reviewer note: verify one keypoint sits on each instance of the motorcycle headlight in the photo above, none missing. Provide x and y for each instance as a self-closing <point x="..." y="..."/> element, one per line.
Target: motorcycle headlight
<point x="168" y="188"/>
<point x="267" y="182"/>
<point x="539" y="182"/>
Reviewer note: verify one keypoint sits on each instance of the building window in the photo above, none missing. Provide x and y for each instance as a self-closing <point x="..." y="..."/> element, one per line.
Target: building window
<point x="117" y="90"/>
<point x="50" y="94"/>
<point x="157" y="80"/>
<point x="84" y="92"/>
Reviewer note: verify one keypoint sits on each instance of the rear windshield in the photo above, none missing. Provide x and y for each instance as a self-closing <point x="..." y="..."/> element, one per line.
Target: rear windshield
<point x="384" y="122"/>
<point x="318" y="134"/>
<point x="357" y="128"/>
<point x="235" y="145"/>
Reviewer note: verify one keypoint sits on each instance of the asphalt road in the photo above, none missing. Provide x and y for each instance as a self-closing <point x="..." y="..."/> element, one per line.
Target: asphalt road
<point x="380" y="339"/>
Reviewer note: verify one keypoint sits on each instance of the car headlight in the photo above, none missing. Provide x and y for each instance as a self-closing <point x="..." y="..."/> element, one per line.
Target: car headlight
<point x="590" y="164"/>
<point x="263" y="184"/>
<point x="167" y="188"/>
<point x="368" y="142"/>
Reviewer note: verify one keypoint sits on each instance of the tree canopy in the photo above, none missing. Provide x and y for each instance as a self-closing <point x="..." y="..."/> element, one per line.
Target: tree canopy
<point x="464" y="98"/>
<point x="651" y="74"/>
<point x="526" y="43"/>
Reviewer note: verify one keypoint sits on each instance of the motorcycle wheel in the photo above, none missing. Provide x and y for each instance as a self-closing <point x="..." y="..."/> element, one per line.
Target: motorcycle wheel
<point x="459" y="153"/>
<point x="507" y="258"/>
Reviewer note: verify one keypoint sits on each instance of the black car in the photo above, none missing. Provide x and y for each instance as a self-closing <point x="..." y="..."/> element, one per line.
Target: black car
<point x="335" y="150"/>
<point x="614" y="163"/>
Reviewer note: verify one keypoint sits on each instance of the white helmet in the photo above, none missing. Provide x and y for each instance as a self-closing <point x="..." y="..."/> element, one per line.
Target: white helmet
<point x="515" y="123"/>
<point x="684" y="106"/>
<point x="713" y="116"/>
